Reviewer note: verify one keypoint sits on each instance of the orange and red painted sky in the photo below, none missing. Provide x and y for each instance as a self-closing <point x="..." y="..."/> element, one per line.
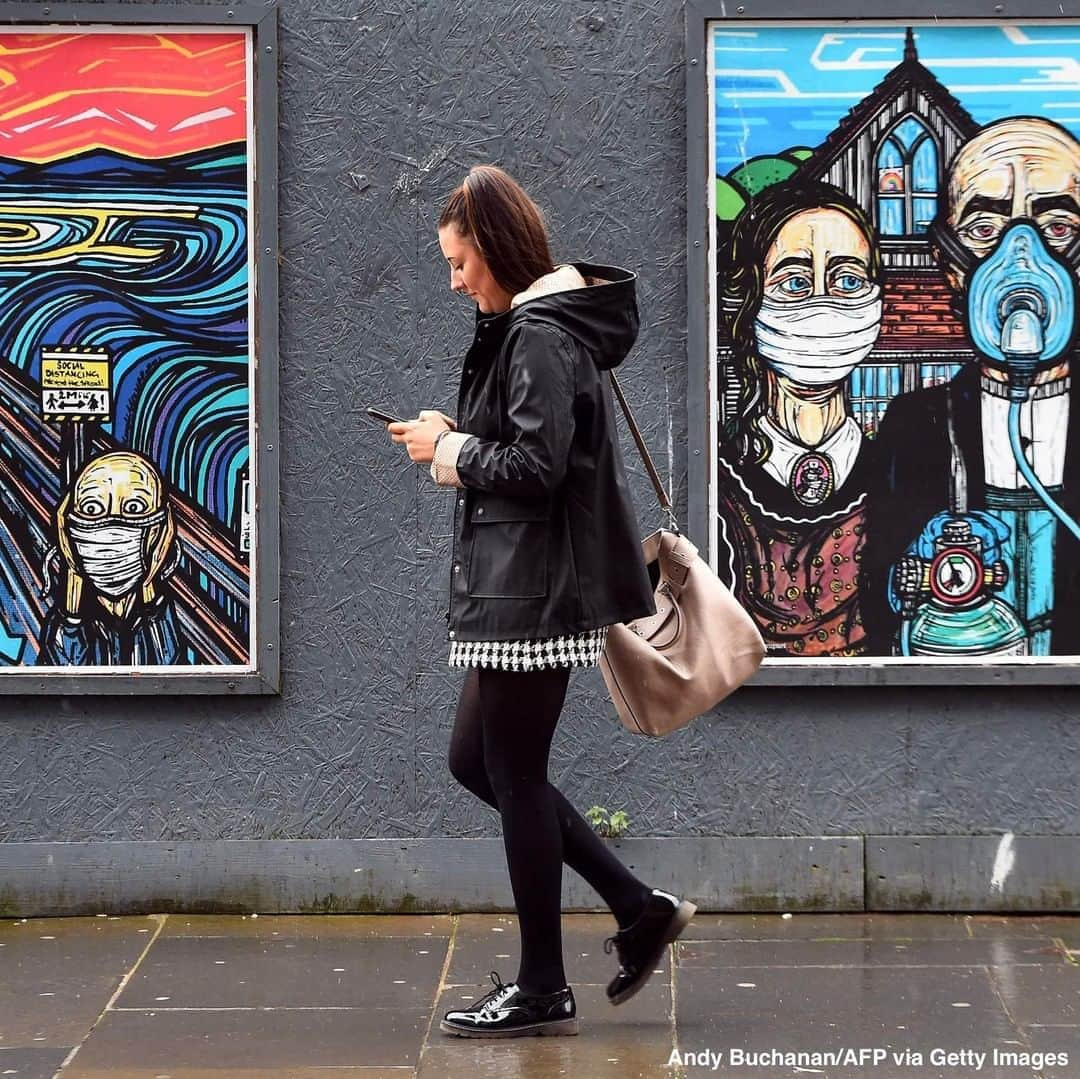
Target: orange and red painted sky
<point x="144" y="94"/>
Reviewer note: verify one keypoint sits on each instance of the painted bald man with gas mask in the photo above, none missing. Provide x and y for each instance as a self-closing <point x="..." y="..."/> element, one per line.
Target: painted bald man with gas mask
<point x="117" y="543"/>
<point x="972" y="542"/>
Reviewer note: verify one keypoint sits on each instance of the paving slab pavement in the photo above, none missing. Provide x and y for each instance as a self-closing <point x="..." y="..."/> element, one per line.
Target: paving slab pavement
<point x="176" y="996"/>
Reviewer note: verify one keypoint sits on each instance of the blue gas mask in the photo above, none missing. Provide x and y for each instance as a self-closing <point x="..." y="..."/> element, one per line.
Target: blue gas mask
<point x="1021" y="303"/>
<point x="1021" y="312"/>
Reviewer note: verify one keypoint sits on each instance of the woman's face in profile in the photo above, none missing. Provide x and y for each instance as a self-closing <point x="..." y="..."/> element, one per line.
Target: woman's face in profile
<point x="818" y="252"/>
<point x="469" y="273"/>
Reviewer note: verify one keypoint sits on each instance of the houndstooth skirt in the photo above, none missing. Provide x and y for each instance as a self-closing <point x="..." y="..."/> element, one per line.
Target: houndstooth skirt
<point x="570" y="650"/>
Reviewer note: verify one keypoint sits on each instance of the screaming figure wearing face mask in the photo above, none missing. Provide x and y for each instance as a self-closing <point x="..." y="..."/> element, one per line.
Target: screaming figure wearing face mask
<point x="114" y="551"/>
<point x="117" y="543"/>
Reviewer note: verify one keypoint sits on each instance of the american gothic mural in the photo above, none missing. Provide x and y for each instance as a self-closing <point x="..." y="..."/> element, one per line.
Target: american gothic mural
<point x="895" y="313"/>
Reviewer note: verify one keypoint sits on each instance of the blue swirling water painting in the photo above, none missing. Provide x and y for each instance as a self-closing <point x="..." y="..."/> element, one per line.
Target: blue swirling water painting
<point x="150" y="263"/>
<point x="127" y="540"/>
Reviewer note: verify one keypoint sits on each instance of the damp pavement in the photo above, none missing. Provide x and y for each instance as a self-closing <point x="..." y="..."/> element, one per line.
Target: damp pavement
<point x="179" y="996"/>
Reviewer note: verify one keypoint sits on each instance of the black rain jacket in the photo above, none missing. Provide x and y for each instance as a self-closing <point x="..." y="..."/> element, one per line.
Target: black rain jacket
<point x="546" y="541"/>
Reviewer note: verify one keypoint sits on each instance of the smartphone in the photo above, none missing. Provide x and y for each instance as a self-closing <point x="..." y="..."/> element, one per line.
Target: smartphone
<point x="383" y="416"/>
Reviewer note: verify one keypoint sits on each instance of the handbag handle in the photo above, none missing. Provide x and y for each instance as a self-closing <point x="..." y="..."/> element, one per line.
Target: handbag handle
<point x="661" y="494"/>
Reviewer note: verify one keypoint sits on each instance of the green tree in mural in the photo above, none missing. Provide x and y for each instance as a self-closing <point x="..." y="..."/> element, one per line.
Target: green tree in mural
<point x="752" y="177"/>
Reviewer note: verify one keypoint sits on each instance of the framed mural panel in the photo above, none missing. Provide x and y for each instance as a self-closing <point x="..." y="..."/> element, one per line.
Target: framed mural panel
<point x="139" y="544"/>
<point x="884" y="304"/>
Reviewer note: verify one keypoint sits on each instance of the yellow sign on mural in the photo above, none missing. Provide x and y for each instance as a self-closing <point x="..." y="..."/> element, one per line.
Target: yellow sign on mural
<point x="75" y="384"/>
<point x="58" y="374"/>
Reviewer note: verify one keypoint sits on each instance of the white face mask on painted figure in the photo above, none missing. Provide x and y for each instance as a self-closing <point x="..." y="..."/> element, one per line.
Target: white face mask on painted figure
<point x="111" y="551"/>
<point x="821" y="340"/>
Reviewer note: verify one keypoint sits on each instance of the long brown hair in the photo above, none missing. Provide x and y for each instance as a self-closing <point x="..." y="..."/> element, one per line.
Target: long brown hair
<point x="507" y="227"/>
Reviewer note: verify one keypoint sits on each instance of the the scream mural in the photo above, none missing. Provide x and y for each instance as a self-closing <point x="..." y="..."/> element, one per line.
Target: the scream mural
<point x="897" y="254"/>
<point x="125" y="353"/>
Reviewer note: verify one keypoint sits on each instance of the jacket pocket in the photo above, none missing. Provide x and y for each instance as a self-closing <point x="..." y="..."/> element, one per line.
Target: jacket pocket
<point x="508" y="556"/>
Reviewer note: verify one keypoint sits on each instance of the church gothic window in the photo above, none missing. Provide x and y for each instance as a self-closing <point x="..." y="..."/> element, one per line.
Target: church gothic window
<point x="907" y="185"/>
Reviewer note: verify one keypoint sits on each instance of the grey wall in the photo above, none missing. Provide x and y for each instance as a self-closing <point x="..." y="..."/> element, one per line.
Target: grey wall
<point x="383" y="108"/>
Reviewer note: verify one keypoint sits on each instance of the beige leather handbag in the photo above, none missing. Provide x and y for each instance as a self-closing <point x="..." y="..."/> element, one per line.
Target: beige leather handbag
<point x="700" y="646"/>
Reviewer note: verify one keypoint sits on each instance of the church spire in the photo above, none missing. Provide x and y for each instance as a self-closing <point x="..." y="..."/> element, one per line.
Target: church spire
<point x="909" y="46"/>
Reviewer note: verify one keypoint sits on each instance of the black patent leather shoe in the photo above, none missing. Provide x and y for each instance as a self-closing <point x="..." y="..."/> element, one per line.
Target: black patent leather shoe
<point x="640" y="945"/>
<point x="507" y="1012"/>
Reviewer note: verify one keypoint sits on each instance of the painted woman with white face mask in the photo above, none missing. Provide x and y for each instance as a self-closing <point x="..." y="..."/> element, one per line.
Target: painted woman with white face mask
<point x="802" y="289"/>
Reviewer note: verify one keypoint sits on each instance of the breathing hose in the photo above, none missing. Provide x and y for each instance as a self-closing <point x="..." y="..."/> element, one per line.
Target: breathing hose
<point x="1029" y="473"/>
<point x="1023" y="345"/>
<point x="905" y="637"/>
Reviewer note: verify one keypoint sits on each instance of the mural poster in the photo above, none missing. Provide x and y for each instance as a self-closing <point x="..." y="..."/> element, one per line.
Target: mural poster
<point x="895" y="314"/>
<point x="126" y="359"/>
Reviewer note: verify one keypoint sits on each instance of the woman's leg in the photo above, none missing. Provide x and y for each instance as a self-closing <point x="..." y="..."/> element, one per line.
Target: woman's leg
<point x="519" y="711"/>
<point x="524" y="709"/>
<point x="583" y="850"/>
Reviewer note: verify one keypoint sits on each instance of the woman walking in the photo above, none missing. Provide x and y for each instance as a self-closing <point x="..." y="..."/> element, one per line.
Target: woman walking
<point x="546" y="556"/>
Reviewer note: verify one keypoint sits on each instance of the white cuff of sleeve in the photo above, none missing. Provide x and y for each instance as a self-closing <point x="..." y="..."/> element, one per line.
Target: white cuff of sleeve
<point x="444" y="463"/>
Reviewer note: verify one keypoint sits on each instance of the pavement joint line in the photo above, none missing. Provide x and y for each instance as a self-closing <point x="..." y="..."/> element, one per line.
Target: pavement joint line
<point x="161" y="919"/>
<point x="289" y="940"/>
<point x="684" y="939"/>
<point x="269" y="1008"/>
<point x="1070" y="954"/>
<point x="863" y="966"/>
<point x="443" y="984"/>
<point x="1020" y="1032"/>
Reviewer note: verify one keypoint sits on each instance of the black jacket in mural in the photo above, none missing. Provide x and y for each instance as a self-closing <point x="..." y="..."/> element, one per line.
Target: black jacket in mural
<point x="913" y="483"/>
<point x="546" y="540"/>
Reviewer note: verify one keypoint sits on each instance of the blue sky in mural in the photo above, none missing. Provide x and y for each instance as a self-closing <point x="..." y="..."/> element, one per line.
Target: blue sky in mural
<point x="779" y="87"/>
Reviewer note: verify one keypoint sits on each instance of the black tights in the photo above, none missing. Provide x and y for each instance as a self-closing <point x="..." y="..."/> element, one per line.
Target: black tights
<point x="499" y="750"/>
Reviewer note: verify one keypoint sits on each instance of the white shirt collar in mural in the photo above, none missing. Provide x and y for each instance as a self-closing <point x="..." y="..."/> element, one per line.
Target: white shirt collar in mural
<point x="841" y="447"/>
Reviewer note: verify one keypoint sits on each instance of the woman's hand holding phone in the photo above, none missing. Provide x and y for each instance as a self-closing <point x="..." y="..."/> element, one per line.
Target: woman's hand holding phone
<point x="419" y="435"/>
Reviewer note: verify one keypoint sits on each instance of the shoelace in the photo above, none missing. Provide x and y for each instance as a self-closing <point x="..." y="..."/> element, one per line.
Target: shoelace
<point x="621" y="935"/>
<point x="615" y="941"/>
<point x="497" y="996"/>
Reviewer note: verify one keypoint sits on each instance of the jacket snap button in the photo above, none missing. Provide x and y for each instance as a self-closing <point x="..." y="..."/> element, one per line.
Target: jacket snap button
<point x="480" y="512"/>
<point x="450" y="634"/>
<point x="461" y="501"/>
<point x="468" y="370"/>
<point x="457" y="568"/>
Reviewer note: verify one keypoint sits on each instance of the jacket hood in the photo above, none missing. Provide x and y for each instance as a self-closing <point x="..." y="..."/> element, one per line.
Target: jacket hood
<point x="595" y="304"/>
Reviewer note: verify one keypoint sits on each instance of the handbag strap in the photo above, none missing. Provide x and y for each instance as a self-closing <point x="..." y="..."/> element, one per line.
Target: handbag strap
<point x="681" y="557"/>
<point x="661" y="494"/>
